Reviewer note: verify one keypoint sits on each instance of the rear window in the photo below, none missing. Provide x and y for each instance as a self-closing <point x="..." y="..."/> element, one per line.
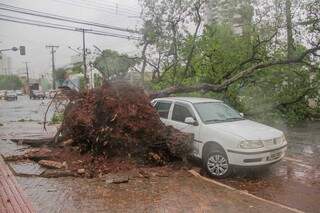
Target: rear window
<point x="163" y="109"/>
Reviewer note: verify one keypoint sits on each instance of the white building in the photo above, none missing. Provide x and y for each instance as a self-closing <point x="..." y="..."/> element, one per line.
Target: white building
<point x="5" y="64"/>
<point x="237" y="13"/>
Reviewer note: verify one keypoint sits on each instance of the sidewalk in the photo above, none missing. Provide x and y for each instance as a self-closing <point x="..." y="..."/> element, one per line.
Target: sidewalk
<point x="11" y="196"/>
<point x="179" y="192"/>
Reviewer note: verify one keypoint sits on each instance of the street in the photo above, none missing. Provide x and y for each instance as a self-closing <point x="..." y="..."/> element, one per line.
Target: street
<point x="293" y="182"/>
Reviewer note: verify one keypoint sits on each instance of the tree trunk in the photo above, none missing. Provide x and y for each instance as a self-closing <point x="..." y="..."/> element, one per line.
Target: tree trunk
<point x="144" y="62"/>
<point x="290" y="40"/>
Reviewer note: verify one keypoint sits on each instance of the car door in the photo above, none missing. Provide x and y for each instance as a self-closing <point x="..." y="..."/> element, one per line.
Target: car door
<point x="177" y="118"/>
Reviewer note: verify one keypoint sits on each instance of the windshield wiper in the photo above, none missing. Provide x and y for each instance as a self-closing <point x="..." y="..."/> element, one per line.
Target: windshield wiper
<point x="234" y="119"/>
<point x="215" y="120"/>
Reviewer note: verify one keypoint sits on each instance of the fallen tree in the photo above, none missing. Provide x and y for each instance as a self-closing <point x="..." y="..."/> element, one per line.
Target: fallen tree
<point x="117" y="119"/>
<point x="206" y="87"/>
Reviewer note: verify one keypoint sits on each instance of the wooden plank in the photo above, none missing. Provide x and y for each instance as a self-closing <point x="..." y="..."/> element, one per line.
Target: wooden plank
<point x="10" y="191"/>
<point x="5" y="197"/>
<point x="11" y="197"/>
<point x="18" y="195"/>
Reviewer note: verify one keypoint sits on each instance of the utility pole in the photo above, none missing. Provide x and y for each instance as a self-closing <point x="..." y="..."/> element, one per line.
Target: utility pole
<point x="27" y="71"/>
<point x="86" y="80"/>
<point x="52" y="47"/>
<point x="28" y="79"/>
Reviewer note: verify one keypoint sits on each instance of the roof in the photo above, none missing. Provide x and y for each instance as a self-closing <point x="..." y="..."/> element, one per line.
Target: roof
<point x="190" y="99"/>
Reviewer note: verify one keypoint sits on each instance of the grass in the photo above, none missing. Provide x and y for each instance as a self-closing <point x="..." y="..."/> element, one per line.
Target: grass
<point x="57" y="118"/>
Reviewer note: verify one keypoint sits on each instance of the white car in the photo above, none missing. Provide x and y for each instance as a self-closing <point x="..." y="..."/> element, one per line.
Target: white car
<point x="222" y="137"/>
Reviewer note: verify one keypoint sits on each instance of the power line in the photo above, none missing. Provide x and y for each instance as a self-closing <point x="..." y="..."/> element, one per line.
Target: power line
<point x="60" y="18"/>
<point x="88" y="5"/>
<point x="112" y="4"/>
<point x="62" y="27"/>
<point x="115" y="5"/>
<point x="99" y="6"/>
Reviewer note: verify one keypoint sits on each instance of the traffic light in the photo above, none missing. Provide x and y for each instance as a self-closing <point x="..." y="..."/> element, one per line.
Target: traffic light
<point x="22" y="50"/>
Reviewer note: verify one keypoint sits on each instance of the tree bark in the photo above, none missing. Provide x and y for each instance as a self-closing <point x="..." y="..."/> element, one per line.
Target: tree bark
<point x="144" y="62"/>
<point x="194" y="37"/>
<point x="289" y="26"/>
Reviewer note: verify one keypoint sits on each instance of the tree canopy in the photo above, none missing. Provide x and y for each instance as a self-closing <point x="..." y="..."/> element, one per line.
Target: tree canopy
<point x="274" y="58"/>
<point x="113" y="65"/>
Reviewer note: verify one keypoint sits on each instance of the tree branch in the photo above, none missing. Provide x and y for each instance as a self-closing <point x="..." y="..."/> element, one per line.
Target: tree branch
<point x="205" y="87"/>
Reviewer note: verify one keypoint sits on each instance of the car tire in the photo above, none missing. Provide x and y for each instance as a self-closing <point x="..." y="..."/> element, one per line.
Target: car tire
<point x="217" y="165"/>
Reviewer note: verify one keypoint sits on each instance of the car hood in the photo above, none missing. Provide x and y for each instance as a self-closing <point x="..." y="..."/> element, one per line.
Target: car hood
<point x="248" y="130"/>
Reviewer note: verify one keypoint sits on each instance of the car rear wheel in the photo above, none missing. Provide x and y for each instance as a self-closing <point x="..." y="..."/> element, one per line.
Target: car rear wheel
<point x="217" y="165"/>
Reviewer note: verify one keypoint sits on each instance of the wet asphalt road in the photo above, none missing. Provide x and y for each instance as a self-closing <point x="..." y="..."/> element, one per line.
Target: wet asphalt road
<point x="294" y="182"/>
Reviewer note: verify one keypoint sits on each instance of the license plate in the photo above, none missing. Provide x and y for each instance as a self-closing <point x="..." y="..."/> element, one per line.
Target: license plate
<point x="274" y="156"/>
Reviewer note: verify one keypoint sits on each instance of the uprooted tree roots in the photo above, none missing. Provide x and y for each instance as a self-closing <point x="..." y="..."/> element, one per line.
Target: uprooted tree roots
<point x="118" y="120"/>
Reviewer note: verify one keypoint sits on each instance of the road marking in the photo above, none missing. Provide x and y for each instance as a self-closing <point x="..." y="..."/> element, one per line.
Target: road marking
<point x="293" y="159"/>
<point x="298" y="162"/>
<point x="196" y="174"/>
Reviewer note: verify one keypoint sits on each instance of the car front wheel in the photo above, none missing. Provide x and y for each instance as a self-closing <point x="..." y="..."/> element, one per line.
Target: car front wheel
<point x="217" y="165"/>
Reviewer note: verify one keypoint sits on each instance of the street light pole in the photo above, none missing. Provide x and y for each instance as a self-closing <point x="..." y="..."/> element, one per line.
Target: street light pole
<point x="10" y="49"/>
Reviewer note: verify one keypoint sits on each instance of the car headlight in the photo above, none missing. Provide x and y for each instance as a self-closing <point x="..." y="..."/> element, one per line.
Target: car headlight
<point x="251" y="144"/>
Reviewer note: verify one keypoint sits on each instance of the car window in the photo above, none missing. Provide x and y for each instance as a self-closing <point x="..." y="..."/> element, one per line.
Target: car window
<point x="216" y="112"/>
<point x="163" y="109"/>
<point x="181" y="112"/>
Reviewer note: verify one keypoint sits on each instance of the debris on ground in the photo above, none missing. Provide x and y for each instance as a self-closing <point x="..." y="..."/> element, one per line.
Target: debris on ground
<point x="116" y="178"/>
<point x="35" y="154"/>
<point x="68" y="142"/>
<point x="81" y="171"/>
<point x="34" y="142"/>
<point x="51" y="164"/>
<point x="54" y="173"/>
<point x="38" y="154"/>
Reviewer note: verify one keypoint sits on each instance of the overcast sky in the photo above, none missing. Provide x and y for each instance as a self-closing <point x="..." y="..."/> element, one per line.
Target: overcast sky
<point x="36" y="38"/>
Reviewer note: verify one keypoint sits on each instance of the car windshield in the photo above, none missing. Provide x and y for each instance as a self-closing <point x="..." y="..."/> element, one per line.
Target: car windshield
<point x="213" y="112"/>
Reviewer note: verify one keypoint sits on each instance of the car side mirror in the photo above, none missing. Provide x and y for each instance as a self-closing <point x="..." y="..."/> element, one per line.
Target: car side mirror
<point x="190" y="120"/>
<point x="241" y="114"/>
